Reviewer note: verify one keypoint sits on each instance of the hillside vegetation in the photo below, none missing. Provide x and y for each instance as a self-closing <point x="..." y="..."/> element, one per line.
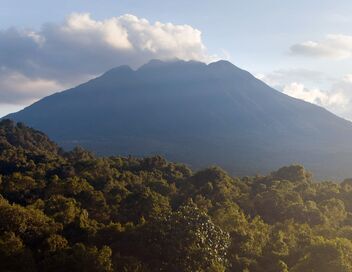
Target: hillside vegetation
<point x="73" y="211"/>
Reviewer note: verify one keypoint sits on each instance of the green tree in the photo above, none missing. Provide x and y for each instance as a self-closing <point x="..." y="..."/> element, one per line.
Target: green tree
<point x="185" y="240"/>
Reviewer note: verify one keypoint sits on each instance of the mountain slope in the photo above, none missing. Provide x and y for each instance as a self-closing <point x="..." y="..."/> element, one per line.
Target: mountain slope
<point x="197" y="113"/>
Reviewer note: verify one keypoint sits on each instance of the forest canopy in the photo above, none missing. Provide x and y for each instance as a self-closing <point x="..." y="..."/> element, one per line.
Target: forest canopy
<point x="74" y="211"/>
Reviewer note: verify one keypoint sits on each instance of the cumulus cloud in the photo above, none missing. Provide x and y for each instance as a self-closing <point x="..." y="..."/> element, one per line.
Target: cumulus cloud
<point x="36" y="63"/>
<point x="299" y="83"/>
<point x="334" y="46"/>
<point x="335" y="100"/>
<point x="16" y="88"/>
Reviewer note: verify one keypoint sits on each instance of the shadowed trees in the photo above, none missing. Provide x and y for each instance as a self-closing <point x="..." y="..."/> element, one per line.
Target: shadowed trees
<point x="73" y="211"/>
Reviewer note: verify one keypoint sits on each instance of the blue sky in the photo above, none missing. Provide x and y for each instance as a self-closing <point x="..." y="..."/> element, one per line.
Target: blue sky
<point x="303" y="48"/>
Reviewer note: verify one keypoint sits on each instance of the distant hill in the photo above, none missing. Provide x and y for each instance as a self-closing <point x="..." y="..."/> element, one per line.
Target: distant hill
<point x="195" y="113"/>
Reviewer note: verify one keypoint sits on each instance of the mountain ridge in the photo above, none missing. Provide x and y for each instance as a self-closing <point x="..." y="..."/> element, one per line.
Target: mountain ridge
<point x="197" y="113"/>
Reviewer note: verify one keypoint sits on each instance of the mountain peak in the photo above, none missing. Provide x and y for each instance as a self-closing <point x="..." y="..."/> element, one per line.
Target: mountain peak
<point x="156" y="63"/>
<point x="222" y="63"/>
<point x="119" y="69"/>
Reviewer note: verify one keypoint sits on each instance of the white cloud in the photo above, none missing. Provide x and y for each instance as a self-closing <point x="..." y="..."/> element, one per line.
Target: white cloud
<point x="168" y="40"/>
<point x="36" y="63"/>
<point x="18" y="89"/>
<point x="81" y="29"/>
<point x="331" y="100"/>
<point x="334" y="46"/>
<point x="299" y="83"/>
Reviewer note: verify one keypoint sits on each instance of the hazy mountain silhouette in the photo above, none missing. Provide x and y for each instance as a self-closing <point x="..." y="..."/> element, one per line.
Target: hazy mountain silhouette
<point x="195" y="113"/>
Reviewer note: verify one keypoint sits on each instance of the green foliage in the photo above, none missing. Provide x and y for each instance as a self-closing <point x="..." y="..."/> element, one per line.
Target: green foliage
<point x="79" y="258"/>
<point x="325" y="256"/>
<point x="185" y="240"/>
<point x="73" y="211"/>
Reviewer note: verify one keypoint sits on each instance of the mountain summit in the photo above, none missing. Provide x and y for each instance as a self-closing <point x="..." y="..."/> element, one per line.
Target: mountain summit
<point x="195" y="113"/>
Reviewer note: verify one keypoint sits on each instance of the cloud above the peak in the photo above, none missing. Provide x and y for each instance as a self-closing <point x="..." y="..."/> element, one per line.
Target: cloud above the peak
<point x="333" y="46"/>
<point x="61" y="55"/>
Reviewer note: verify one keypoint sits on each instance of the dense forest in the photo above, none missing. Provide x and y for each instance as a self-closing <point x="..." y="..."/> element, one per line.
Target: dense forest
<point x="73" y="211"/>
